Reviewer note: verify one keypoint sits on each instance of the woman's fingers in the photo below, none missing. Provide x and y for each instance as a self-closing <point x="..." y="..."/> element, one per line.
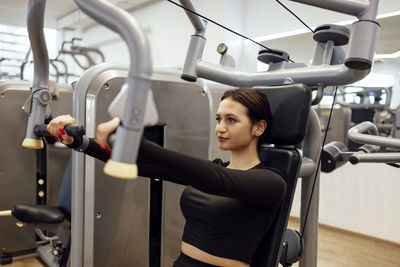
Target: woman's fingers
<point x="65" y="138"/>
<point x="104" y="130"/>
<point x="56" y="128"/>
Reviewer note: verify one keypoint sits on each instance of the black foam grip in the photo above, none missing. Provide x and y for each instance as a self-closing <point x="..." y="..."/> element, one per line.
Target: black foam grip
<point x="41" y="131"/>
<point x="75" y="130"/>
<point x="72" y="130"/>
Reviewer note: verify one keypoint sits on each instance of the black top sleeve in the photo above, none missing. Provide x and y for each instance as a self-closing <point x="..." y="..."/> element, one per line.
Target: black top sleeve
<point x="258" y="185"/>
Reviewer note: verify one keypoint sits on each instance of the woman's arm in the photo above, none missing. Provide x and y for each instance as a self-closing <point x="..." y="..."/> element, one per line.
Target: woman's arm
<point x="145" y="170"/>
<point x="259" y="186"/>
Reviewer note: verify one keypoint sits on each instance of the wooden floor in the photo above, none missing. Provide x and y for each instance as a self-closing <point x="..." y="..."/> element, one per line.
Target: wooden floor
<point x="340" y="248"/>
<point x="336" y="248"/>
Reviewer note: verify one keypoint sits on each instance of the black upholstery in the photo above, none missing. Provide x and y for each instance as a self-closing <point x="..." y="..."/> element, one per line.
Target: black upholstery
<point x="288" y="162"/>
<point x="290" y="106"/>
<point x="37" y="214"/>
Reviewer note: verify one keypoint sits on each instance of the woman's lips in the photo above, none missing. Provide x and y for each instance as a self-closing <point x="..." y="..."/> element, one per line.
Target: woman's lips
<point x="222" y="139"/>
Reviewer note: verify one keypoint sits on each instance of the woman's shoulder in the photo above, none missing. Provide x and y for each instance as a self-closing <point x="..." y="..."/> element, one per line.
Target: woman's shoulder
<point x="271" y="168"/>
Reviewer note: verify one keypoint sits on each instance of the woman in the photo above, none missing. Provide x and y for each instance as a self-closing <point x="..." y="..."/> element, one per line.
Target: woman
<point x="229" y="206"/>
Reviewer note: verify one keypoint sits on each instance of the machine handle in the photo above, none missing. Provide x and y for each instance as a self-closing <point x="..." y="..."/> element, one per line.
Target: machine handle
<point x="356" y="134"/>
<point x="72" y="130"/>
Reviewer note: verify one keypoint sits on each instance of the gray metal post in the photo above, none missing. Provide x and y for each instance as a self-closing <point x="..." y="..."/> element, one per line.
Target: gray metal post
<point x="397" y="123"/>
<point x="123" y="160"/>
<point x="40" y="92"/>
<point x="312" y="148"/>
<point x="80" y="253"/>
<point x="78" y="183"/>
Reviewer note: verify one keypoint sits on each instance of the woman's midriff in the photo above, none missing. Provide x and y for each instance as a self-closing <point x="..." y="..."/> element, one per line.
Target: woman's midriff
<point x="200" y="255"/>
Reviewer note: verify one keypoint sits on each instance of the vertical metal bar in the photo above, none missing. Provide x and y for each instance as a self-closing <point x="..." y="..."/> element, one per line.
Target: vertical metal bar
<point x="77" y="201"/>
<point x="323" y="53"/>
<point x="78" y="181"/>
<point x="312" y="148"/>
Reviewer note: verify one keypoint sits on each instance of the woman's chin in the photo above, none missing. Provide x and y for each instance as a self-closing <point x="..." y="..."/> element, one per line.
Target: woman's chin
<point x="222" y="146"/>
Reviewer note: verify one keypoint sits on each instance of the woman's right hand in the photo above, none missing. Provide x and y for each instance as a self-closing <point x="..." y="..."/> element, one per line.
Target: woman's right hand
<point x="56" y="128"/>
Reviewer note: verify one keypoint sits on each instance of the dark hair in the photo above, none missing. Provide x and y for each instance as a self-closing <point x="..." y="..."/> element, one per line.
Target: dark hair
<point x="257" y="106"/>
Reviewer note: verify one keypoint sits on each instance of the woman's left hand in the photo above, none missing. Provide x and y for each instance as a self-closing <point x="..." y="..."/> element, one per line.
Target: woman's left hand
<point x="104" y="130"/>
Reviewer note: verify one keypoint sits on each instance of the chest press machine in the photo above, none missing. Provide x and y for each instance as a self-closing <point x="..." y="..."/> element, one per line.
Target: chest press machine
<point x="296" y="94"/>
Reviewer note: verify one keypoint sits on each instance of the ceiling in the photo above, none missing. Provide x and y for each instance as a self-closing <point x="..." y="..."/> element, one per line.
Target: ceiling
<point x="13" y="12"/>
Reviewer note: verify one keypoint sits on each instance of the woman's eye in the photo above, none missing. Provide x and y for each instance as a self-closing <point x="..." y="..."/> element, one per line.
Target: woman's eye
<point x="218" y="119"/>
<point x="231" y="120"/>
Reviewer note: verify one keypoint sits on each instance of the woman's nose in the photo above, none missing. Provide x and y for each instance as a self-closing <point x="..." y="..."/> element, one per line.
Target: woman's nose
<point x="220" y="127"/>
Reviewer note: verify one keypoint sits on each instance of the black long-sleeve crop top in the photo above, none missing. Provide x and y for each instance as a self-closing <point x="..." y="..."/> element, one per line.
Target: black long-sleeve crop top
<point x="227" y="211"/>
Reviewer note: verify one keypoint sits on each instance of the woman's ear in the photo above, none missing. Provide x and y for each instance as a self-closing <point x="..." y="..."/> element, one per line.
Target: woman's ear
<point x="259" y="127"/>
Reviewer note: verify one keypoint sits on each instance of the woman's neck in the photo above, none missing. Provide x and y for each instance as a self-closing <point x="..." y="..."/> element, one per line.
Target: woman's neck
<point x="244" y="159"/>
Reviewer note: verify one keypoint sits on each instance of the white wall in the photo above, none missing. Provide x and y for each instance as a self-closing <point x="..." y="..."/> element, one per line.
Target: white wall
<point x="168" y="31"/>
<point x="362" y="198"/>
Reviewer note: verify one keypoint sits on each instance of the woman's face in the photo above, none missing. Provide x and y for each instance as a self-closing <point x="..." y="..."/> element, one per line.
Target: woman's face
<point x="234" y="129"/>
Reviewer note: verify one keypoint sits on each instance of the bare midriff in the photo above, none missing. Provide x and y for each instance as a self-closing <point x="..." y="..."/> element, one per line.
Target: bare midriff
<point x="203" y="256"/>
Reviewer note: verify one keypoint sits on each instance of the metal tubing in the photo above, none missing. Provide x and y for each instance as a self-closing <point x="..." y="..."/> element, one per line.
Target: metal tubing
<point x="356" y="134"/>
<point x="376" y="157"/>
<point x="40" y="99"/>
<point x="358" y="63"/>
<point x="312" y="149"/>
<point x="78" y="190"/>
<point x="323" y="53"/>
<point x="364" y="33"/>
<point x="78" y="181"/>
<point x="194" y="53"/>
<point x="318" y="97"/>
<point x="307" y="167"/>
<point x="130" y="132"/>
<point x="349" y="7"/>
<point x="35" y="24"/>
<point x="195" y="20"/>
<point x="312" y="76"/>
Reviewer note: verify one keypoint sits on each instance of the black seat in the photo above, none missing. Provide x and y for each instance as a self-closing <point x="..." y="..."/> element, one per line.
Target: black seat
<point x="30" y="213"/>
<point x="290" y="106"/>
<point x="37" y="213"/>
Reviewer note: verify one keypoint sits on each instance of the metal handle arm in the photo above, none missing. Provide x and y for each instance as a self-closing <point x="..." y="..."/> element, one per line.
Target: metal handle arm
<point x="123" y="161"/>
<point x="356" y="134"/>
<point x="312" y="76"/>
<point x="375" y="157"/>
<point x="35" y="24"/>
<point x="197" y="23"/>
<point x="40" y="93"/>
